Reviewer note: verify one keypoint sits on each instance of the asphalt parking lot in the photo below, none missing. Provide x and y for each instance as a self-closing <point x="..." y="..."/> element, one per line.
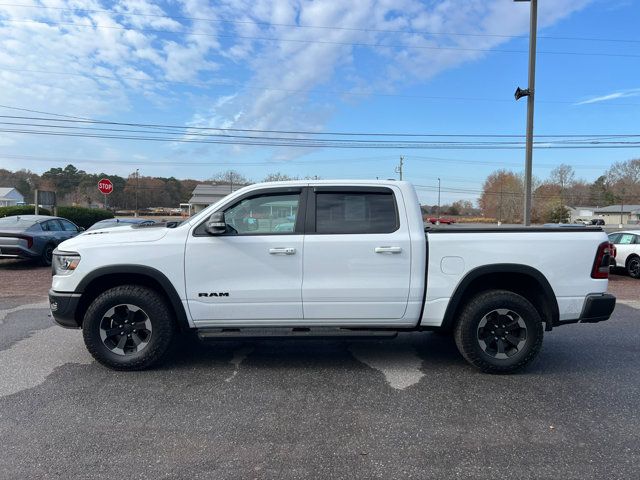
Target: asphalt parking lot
<point x="403" y="408"/>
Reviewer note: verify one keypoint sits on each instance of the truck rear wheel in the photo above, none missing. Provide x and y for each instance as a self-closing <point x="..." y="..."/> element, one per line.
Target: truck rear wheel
<point x="499" y="331"/>
<point x="128" y="327"/>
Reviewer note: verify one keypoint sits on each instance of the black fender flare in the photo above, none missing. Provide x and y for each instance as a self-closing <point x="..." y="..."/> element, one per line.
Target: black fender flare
<point x="516" y="268"/>
<point x="156" y="276"/>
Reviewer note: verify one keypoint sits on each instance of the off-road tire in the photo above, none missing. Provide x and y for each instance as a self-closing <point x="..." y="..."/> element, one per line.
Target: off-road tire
<point x="466" y="331"/>
<point x="156" y="309"/>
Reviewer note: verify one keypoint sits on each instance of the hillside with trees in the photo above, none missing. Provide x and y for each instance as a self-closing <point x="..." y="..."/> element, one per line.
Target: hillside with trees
<point x="500" y="200"/>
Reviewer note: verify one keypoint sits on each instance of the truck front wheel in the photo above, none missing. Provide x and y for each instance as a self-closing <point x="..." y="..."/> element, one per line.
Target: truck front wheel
<point x="499" y="331"/>
<point x="128" y="327"/>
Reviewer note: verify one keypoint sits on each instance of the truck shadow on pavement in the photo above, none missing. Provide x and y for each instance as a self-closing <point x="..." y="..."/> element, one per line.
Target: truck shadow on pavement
<point x="432" y="350"/>
<point x="575" y="348"/>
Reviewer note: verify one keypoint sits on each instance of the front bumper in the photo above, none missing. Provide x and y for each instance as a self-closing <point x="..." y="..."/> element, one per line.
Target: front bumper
<point x="63" y="307"/>
<point x="597" y="308"/>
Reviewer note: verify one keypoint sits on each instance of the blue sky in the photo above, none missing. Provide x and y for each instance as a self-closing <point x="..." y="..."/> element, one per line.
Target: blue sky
<point x="444" y="67"/>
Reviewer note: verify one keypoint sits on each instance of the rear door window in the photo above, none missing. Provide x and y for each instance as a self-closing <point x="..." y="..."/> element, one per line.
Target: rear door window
<point x="356" y="212"/>
<point x="68" y="226"/>
<point x="52" y="226"/>
<point x="626" y="239"/>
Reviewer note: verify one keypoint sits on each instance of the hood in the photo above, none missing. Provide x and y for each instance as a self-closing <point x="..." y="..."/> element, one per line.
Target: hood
<point x="113" y="236"/>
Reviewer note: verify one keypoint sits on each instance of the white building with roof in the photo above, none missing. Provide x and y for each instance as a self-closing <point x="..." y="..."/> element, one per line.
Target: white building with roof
<point x="207" y="194"/>
<point x="10" y="197"/>
<point x="582" y="213"/>
<point x="619" y="214"/>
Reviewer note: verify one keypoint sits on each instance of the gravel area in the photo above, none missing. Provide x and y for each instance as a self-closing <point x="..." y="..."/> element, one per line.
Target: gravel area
<point x="23" y="277"/>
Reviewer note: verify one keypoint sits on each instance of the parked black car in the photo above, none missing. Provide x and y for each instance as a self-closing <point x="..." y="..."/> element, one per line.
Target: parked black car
<point x="34" y="236"/>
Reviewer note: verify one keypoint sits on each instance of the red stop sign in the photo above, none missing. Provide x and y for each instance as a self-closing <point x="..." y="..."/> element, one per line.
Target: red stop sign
<point x="105" y="186"/>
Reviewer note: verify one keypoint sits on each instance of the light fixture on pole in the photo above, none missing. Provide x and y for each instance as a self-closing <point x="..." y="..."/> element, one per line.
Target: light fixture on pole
<point x="529" y="93"/>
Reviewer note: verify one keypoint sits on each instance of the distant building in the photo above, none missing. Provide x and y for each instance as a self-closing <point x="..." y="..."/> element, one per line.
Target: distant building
<point x="583" y="213"/>
<point x="10" y="197"/>
<point x="206" y="194"/>
<point x="619" y="214"/>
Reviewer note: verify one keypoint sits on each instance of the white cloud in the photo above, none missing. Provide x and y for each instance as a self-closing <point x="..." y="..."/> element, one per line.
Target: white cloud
<point x="270" y="78"/>
<point x="284" y="68"/>
<point x="634" y="92"/>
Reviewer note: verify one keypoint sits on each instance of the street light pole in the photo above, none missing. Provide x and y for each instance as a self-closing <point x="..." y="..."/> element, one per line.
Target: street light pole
<point x="530" y="94"/>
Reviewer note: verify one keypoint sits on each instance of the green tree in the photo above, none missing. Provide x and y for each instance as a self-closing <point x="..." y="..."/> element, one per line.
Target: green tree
<point x="557" y="213"/>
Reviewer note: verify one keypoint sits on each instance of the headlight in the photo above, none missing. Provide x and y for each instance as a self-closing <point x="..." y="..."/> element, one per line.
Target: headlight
<point x="65" y="263"/>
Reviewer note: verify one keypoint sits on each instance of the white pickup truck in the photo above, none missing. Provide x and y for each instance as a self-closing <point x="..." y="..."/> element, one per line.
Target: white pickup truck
<point x="327" y="258"/>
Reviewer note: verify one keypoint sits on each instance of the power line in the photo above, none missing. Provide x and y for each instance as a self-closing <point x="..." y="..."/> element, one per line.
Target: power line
<point x="311" y="163"/>
<point x="322" y="27"/>
<point x="315" y="143"/>
<point x="172" y="128"/>
<point x="322" y="42"/>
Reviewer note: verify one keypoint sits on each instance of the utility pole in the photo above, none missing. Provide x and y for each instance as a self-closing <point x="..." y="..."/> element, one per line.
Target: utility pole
<point x="399" y="167"/>
<point x="137" y="186"/>
<point x="529" y="93"/>
<point x="621" y="208"/>
<point x="438" y="219"/>
<point x="500" y="210"/>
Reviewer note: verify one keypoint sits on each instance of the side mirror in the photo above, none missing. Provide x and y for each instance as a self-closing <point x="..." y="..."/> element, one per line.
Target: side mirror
<point x="216" y="224"/>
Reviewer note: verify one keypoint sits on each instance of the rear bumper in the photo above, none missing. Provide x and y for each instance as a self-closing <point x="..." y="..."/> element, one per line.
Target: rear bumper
<point x="597" y="308"/>
<point x="63" y="307"/>
<point x="13" y="251"/>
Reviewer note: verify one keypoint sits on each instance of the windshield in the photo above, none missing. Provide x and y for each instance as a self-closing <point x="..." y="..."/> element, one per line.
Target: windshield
<point x="108" y="224"/>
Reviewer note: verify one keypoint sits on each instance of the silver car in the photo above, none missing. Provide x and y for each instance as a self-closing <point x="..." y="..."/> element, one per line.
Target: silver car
<point x="34" y="236"/>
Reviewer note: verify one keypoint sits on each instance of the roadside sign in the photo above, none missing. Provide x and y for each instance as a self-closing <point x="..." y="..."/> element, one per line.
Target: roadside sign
<point x="105" y="186"/>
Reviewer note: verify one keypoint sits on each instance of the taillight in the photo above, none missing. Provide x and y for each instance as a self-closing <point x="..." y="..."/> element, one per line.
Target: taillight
<point x="28" y="239"/>
<point x="601" y="263"/>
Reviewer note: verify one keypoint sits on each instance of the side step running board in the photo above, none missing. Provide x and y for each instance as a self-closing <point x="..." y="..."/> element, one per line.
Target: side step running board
<point x="288" y="332"/>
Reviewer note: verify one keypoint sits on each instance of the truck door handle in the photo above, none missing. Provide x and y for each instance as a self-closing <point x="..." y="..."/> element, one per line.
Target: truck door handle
<point x="282" y="251"/>
<point x="388" y="250"/>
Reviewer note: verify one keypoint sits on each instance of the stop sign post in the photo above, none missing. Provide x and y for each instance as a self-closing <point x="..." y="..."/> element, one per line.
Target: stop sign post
<point x="106" y="187"/>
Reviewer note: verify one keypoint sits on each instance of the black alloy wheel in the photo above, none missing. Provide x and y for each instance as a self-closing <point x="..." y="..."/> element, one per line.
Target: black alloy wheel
<point x="125" y="329"/>
<point x="502" y="333"/>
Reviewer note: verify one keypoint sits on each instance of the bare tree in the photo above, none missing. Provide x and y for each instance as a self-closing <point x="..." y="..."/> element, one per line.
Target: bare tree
<point x="501" y="196"/>
<point x="563" y="176"/>
<point x="278" y="177"/>
<point x="623" y="179"/>
<point x="232" y="178"/>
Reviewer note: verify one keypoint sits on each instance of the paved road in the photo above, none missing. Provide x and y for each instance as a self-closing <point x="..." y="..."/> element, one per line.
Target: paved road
<point x="403" y="408"/>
